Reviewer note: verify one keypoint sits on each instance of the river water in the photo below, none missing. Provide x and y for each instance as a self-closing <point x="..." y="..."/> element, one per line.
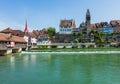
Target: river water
<point x="60" y="68"/>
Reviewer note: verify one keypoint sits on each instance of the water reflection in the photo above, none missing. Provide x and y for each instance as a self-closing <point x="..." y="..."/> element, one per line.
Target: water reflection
<point x="51" y="68"/>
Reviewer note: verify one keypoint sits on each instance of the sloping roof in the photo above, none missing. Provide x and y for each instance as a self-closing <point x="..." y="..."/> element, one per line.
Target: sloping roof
<point x="13" y="32"/>
<point x="4" y="37"/>
<point x="36" y="32"/>
<point x="103" y="23"/>
<point x="98" y="25"/>
<point x="8" y="37"/>
<point x="115" y="23"/>
<point x="92" y="26"/>
<point x="7" y="30"/>
<point x="67" y="23"/>
<point x="18" y="33"/>
<point x="18" y="39"/>
<point x="31" y="34"/>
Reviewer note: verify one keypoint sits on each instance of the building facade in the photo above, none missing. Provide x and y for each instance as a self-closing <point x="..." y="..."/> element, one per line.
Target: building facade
<point x="66" y="26"/>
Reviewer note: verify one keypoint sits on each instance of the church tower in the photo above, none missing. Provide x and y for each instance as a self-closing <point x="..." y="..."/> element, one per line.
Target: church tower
<point x="88" y="21"/>
<point x="26" y="28"/>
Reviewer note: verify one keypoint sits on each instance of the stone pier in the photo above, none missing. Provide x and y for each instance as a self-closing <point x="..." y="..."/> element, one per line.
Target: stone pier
<point x="19" y="50"/>
<point x="5" y="52"/>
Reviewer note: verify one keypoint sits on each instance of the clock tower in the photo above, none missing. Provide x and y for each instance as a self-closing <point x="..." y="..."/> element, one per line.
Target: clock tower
<point x="88" y="21"/>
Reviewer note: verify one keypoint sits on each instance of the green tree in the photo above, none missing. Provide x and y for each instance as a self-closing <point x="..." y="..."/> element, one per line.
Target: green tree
<point x="74" y="34"/>
<point x="98" y="37"/>
<point x="76" y="41"/>
<point x="79" y="34"/>
<point x="51" y="31"/>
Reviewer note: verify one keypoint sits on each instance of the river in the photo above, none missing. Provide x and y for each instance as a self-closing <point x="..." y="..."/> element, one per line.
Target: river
<point x="60" y="68"/>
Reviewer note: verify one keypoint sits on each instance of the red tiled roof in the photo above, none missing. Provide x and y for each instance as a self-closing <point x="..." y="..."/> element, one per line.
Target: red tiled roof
<point x="36" y="32"/>
<point x="92" y="26"/>
<point x="103" y="23"/>
<point x="67" y="23"/>
<point x="115" y="23"/>
<point x="99" y="25"/>
<point x="18" y="39"/>
<point x="7" y="30"/>
<point x="31" y="34"/>
<point x="4" y="37"/>
<point x="8" y="37"/>
<point x="18" y="33"/>
<point x="13" y="32"/>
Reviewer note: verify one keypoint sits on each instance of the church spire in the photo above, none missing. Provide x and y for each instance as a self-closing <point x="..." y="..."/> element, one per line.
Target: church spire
<point x="88" y="17"/>
<point x="88" y="12"/>
<point x="88" y="21"/>
<point x="26" y="28"/>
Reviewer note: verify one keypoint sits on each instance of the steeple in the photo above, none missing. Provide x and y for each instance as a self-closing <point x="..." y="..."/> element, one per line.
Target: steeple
<point x="88" y="17"/>
<point x="88" y="21"/>
<point x="26" y="28"/>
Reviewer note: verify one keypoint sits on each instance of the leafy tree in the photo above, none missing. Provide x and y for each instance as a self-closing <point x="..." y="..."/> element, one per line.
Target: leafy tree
<point x="79" y="34"/>
<point x="51" y="31"/>
<point x="77" y="41"/>
<point x="74" y="34"/>
<point x="98" y="37"/>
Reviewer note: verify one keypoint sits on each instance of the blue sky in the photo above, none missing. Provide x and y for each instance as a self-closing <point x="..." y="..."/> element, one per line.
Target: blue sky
<point x="48" y="13"/>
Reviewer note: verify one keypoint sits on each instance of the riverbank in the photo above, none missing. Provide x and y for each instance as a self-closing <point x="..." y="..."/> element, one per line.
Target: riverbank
<point x="75" y="49"/>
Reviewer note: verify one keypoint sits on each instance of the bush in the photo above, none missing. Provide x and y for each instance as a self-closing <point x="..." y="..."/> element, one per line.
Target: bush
<point x="54" y="46"/>
<point x="74" y="46"/>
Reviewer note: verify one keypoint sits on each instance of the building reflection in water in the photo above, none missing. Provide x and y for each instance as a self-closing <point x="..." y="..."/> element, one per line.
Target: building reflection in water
<point x="12" y="62"/>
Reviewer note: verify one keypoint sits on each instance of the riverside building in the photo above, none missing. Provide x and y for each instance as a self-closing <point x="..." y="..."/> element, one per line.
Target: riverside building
<point x="66" y="26"/>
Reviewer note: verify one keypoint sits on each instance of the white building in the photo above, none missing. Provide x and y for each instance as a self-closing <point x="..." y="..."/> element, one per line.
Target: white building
<point x="66" y="26"/>
<point x="43" y="39"/>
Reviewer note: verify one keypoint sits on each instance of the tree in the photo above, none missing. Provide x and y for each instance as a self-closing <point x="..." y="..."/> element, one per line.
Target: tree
<point x="77" y="41"/>
<point x="79" y="34"/>
<point x="98" y="37"/>
<point x="51" y="31"/>
<point x="74" y="34"/>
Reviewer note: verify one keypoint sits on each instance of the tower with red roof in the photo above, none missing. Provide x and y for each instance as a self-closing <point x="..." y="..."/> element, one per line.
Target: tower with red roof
<point x="26" y="28"/>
